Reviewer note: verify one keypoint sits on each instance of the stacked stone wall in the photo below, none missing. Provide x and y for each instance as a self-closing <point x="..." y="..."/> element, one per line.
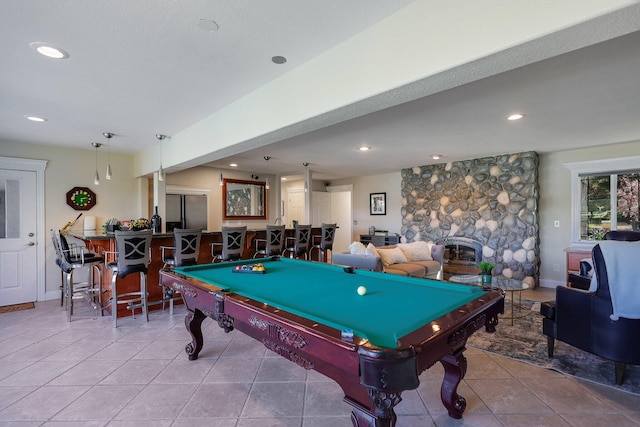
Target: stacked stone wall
<point x="493" y="200"/>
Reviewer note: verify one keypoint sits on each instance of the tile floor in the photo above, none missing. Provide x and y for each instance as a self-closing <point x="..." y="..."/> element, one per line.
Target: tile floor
<point x="86" y="373"/>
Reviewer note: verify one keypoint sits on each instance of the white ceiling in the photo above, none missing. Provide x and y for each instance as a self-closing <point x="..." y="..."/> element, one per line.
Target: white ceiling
<point x="138" y="68"/>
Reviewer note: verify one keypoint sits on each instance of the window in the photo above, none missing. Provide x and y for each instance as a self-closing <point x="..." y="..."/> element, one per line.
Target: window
<point x="608" y="202"/>
<point x="605" y="197"/>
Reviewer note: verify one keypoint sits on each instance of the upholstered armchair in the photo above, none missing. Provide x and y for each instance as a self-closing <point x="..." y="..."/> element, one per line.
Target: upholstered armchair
<point x="592" y="320"/>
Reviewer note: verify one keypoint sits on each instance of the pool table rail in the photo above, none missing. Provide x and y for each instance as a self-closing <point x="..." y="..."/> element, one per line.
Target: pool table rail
<point x="372" y="378"/>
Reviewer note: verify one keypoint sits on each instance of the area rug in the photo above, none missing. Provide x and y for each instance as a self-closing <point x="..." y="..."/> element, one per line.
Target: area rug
<point x="17" y="307"/>
<point x="524" y="341"/>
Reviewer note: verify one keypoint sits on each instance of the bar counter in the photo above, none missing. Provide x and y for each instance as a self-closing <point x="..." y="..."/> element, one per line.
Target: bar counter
<point x="100" y="242"/>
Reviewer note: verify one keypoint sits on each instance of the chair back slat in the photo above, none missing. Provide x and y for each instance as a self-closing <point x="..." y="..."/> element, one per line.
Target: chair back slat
<point x="187" y="246"/>
<point x="233" y="242"/>
<point x="133" y="254"/>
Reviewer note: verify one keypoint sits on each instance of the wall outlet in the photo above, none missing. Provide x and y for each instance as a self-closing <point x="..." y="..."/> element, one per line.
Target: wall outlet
<point x="556" y="267"/>
<point x="556" y="223"/>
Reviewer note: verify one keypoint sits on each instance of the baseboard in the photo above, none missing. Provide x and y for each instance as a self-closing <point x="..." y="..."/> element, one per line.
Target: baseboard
<point x="545" y="283"/>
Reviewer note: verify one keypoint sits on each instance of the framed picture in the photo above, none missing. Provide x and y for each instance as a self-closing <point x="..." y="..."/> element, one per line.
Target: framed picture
<point x="378" y="203"/>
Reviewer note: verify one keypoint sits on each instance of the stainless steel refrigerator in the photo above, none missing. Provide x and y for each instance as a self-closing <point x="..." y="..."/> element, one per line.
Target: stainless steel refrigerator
<point x="186" y="211"/>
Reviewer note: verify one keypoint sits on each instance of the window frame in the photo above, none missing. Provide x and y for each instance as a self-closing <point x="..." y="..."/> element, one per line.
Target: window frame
<point x="612" y="167"/>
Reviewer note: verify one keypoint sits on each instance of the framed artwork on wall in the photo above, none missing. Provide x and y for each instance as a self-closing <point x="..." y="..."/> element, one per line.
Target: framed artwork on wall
<point x="378" y="203"/>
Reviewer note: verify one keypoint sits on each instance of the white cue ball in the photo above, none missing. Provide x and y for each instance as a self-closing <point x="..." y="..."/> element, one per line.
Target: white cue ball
<point x="361" y="290"/>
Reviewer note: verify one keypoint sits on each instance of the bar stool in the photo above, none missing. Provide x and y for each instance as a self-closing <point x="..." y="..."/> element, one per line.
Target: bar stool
<point x="185" y="250"/>
<point x="133" y="254"/>
<point x="299" y="244"/>
<point x="232" y="244"/>
<point x="325" y="242"/>
<point x="71" y="257"/>
<point x="273" y="243"/>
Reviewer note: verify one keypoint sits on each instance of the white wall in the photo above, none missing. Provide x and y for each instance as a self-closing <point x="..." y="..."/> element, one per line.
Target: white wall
<point x="68" y="168"/>
<point x="555" y="204"/>
<point x="362" y="187"/>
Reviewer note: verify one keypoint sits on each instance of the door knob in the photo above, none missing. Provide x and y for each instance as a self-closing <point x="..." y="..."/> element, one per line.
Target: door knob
<point x="31" y="244"/>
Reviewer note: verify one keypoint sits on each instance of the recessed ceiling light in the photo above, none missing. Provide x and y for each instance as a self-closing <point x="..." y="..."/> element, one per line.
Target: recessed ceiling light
<point x="35" y="118"/>
<point x="278" y="59"/>
<point x="48" y="50"/>
<point x="208" y="25"/>
<point x="233" y="165"/>
<point x="436" y="156"/>
<point x="284" y="178"/>
<point x="364" y="148"/>
<point x="516" y="116"/>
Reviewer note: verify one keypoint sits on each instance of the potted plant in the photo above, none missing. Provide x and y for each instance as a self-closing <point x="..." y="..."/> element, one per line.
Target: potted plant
<point x="485" y="272"/>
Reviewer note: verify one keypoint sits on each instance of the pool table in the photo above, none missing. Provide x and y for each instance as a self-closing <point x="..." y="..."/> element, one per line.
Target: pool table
<point x="374" y="345"/>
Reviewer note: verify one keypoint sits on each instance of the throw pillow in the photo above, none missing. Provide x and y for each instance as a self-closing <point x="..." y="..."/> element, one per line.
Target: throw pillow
<point x="371" y="250"/>
<point x="356" y="248"/>
<point x="416" y="251"/>
<point x="391" y="256"/>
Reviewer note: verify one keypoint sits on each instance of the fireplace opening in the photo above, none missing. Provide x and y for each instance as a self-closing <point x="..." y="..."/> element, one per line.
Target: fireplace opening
<point x="461" y="251"/>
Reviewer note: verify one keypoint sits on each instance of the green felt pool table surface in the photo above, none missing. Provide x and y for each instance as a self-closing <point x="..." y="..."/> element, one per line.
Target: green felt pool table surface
<point x="392" y="307"/>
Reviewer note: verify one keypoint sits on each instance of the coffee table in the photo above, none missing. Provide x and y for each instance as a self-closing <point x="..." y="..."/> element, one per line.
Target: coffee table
<point x="511" y="286"/>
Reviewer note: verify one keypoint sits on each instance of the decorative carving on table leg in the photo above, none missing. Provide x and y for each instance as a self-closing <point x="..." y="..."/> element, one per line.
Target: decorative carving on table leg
<point x="362" y="417"/>
<point x="384" y="402"/>
<point x="490" y="325"/>
<point x="193" y="322"/>
<point x="288" y="354"/>
<point x="225" y="322"/>
<point x="455" y="368"/>
<point x="274" y="330"/>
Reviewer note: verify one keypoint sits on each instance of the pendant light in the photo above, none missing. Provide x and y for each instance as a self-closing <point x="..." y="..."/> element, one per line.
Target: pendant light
<point x="108" y="135"/>
<point x="160" y="137"/>
<point x="306" y="186"/>
<point x="267" y="180"/>
<point x="96" y="177"/>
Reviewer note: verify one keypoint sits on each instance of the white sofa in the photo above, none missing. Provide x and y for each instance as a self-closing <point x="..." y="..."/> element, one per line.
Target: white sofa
<point x="418" y="259"/>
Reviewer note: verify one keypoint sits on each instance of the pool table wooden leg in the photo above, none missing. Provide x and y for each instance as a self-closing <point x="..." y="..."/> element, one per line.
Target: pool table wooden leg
<point x="193" y="322"/>
<point x="455" y="367"/>
<point x="362" y="417"/>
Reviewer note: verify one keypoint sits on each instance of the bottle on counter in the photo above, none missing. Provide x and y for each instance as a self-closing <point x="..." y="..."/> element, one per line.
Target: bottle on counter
<point x="156" y="222"/>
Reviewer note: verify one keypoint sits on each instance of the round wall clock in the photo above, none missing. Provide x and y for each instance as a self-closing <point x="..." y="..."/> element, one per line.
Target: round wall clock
<point x="81" y="198"/>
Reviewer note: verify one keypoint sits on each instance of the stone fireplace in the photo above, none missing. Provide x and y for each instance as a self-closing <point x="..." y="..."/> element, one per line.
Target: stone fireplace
<point x="491" y="201"/>
<point x="460" y="251"/>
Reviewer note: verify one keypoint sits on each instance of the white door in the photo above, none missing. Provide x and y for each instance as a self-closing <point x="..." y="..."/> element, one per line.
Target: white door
<point x="18" y="231"/>
<point x="341" y="214"/>
<point x="295" y="207"/>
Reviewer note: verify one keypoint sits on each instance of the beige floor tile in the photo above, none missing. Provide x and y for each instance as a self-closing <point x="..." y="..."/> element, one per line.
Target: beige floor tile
<point x="507" y="397"/>
<point x="566" y="396"/>
<point x="99" y="403"/>
<point x="158" y="402"/>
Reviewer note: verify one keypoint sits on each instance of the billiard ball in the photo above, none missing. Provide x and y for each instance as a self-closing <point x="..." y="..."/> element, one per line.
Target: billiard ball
<point x="361" y="290"/>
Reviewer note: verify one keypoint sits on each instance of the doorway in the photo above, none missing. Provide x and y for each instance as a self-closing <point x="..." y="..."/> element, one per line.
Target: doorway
<point x="22" y="237"/>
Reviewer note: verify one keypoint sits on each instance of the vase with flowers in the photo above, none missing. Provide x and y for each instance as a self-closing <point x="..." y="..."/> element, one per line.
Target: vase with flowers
<point x="486" y="269"/>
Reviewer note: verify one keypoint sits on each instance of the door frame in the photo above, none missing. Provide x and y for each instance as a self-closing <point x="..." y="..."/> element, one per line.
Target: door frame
<point x="37" y="166"/>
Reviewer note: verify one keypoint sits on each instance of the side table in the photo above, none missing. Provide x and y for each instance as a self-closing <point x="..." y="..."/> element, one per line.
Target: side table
<point x="508" y="285"/>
